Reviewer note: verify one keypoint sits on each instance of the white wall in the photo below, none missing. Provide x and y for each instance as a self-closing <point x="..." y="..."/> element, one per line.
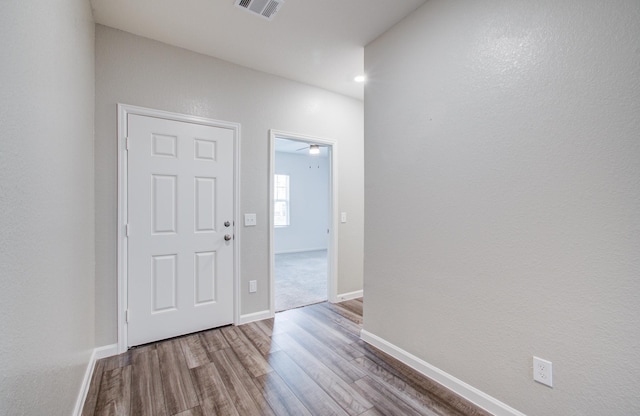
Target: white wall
<point x="503" y="157"/>
<point x="309" y="202"/>
<point x="139" y="71"/>
<point x="46" y="204"/>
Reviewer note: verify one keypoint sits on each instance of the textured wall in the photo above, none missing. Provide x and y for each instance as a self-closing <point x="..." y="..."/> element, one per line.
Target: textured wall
<point x="505" y="138"/>
<point x="309" y="202"/>
<point x="138" y="71"/>
<point x="46" y="204"/>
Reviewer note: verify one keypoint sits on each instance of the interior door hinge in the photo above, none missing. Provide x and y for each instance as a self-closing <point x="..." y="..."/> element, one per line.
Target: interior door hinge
<point x="126" y="230"/>
<point x="126" y="145"/>
<point x="126" y="316"/>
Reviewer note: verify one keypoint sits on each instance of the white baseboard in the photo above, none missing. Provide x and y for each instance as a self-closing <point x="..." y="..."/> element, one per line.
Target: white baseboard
<point x="300" y="250"/>
<point x="106" y="351"/>
<point x="96" y="354"/>
<point x="350" y="295"/>
<point x="470" y="393"/>
<point x="256" y="316"/>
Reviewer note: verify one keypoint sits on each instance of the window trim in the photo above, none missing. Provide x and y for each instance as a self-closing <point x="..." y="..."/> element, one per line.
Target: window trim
<point x="287" y="200"/>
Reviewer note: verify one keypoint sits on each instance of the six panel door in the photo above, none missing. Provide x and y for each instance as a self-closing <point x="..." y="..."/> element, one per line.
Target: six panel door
<point x="180" y="209"/>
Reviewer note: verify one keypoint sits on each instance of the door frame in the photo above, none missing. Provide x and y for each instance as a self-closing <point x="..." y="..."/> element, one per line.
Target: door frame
<point x="123" y="110"/>
<point x="332" y="243"/>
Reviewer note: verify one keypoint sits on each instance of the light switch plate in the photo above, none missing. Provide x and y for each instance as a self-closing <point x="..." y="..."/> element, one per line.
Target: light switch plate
<point x="343" y="217"/>
<point x="250" y="220"/>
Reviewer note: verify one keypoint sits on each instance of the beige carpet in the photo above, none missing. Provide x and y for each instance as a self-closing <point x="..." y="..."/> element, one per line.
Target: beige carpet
<point x="301" y="279"/>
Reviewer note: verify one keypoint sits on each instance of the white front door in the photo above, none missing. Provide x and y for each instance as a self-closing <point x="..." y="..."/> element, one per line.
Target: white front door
<point x="180" y="244"/>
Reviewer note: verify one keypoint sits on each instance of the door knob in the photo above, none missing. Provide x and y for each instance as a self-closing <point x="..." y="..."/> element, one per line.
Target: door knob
<point x="227" y="237"/>
<point x="227" y="223"/>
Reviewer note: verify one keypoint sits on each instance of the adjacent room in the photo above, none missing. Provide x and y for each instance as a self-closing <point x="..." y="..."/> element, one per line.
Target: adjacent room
<point x="301" y="223"/>
<point x="465" y="242"/>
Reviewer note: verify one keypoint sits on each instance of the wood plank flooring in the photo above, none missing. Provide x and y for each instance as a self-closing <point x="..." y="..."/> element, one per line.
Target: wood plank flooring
<point x="306" y="361"/>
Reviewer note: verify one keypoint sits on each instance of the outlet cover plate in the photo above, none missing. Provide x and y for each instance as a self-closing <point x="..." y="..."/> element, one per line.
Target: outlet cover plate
<point x="542" y="371"/>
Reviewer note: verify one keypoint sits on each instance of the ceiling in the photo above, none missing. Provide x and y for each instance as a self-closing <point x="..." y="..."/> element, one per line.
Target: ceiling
<point x="317" y="42"/>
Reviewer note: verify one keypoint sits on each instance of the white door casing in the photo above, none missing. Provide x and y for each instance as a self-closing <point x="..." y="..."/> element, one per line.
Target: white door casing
<point x="179" y="243"/>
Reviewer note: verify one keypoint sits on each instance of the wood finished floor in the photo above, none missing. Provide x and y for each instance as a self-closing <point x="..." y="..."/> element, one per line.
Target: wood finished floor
<point x="306" y="361"/>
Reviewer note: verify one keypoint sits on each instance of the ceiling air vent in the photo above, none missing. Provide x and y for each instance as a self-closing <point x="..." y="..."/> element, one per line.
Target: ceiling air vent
<point x="263" y="8"/>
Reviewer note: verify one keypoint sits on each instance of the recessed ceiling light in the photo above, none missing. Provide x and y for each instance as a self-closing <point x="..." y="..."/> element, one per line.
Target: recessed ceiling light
<point x="360" y="78"/>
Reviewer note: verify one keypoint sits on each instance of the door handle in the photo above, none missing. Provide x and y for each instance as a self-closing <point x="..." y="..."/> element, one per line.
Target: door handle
<point x="227" y="237"/>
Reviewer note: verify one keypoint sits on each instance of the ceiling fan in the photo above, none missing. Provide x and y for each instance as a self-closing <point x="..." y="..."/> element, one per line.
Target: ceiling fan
<point x="314" y="149"/>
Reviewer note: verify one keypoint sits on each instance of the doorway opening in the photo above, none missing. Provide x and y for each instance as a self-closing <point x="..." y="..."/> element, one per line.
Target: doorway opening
<point x="302" y="220"/>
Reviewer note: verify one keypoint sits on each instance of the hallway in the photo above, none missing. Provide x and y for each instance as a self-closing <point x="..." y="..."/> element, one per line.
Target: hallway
<point x="305" y="361"/>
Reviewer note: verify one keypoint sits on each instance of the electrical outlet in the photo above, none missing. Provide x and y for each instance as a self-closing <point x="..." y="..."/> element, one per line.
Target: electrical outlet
<point x="253" y="286"/>
<point x="542" y="371"/>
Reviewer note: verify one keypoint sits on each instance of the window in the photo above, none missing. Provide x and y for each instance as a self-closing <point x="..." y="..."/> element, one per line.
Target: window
<point x="281" y="201"/>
